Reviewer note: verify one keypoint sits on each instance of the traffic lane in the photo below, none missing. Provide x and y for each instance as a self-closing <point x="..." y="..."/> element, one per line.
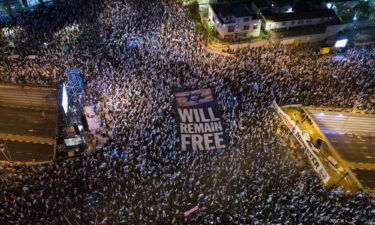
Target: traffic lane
<point x="27" y="122"/>
<point x="366" y="177"/>
<point x="26" y="152"/>
<point x="353" y="148"/>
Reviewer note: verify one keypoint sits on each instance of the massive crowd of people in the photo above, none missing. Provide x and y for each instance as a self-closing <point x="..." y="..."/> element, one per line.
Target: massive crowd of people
<point x="133" y="55"/>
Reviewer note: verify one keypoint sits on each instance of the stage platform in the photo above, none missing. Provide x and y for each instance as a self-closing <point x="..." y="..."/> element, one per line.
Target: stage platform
<point x="340" y="143"/>
<point x="28" y="123"/>
<point x="352" y="135"/>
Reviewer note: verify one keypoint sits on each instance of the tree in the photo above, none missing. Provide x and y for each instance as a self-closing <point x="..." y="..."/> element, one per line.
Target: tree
<point x="25" y="3"/>
<point x="372" y="11"/>
<point x="8" y="7"/>
<point x="363" y="10"/>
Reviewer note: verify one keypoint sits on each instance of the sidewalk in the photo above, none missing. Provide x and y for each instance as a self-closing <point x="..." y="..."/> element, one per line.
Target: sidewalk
<point x="223" y="46"/>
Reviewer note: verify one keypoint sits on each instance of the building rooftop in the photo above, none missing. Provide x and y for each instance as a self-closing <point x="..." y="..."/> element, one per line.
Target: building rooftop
<point x="353" y="137"/>
<point x="300" y="15"/>
<point x="231" y="10"/>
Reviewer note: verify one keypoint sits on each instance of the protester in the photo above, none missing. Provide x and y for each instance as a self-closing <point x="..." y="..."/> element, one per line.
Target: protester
<point x="134" y="54"/>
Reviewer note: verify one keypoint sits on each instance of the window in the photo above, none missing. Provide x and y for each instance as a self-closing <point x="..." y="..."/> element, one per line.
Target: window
<point x="247" y="19"/>
<point x="246" y="27"/>
<point x="284" y="23"/>
<point x="300" y="21"/>
<point x="269" y="26"/>
<point x="230" y="28"/>
<point x="308" y="21"/>
<point x="255" y="26"/>
<point x="293" y="22"/>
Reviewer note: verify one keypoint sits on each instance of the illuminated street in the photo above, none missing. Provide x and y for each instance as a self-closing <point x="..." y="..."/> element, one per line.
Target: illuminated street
<point x="354" y="149"/>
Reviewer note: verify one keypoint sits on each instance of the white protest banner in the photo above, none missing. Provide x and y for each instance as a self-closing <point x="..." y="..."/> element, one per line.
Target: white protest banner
<point x="314" y="159"/>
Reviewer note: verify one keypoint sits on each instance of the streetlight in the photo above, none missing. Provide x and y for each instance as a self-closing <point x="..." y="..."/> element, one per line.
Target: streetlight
<point x="355" y="18"/>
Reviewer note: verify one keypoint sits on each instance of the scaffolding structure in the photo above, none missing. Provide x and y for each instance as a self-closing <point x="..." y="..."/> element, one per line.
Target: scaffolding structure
<point x="74" y="84"/>
<point x="5" y="151"/>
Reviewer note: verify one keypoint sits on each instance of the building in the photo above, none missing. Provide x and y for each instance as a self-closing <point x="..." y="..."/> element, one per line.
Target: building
<point x="11" y="6"/>
<point x="234" y="21"/>
<point x="274" y="21"/>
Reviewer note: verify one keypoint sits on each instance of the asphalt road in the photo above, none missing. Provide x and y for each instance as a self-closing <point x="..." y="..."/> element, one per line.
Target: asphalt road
<point x="28" y="122"/>
<point x="352" y="148"/>
<point x="26" y="152"/>
<point x="366" y="177"/>
<point x="31" y="98"/>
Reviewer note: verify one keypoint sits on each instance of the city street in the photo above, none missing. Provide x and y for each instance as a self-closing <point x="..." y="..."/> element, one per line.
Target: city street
<point x="29" y="122"/>
<point x="353" y="148"/>
<point x="28" y="152"/>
